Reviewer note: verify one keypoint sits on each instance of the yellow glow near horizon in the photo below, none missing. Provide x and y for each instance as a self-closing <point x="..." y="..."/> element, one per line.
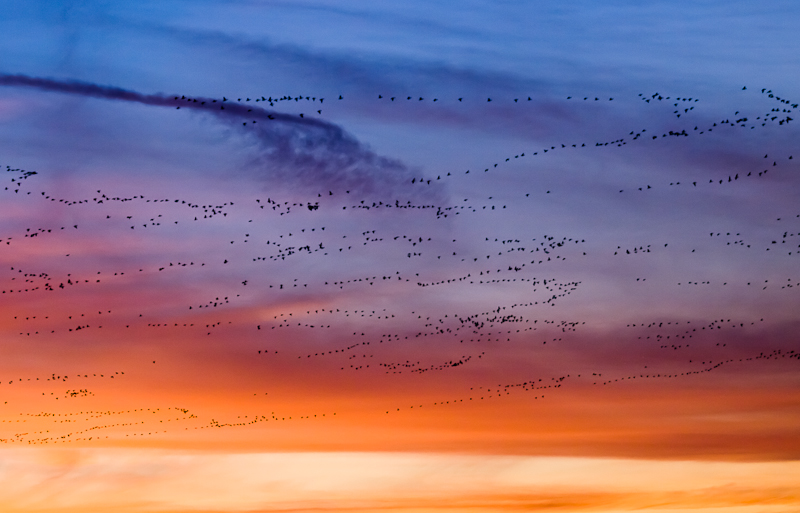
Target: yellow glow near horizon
<point x="90" y="480"/>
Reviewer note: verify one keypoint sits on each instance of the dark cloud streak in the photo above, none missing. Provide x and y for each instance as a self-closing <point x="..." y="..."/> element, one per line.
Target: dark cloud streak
<point x="294" y="150"/>
<point x="116" y="93"/>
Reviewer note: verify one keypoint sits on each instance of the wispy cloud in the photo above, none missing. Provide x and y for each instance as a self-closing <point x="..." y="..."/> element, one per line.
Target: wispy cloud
<point x="293" y="151"/>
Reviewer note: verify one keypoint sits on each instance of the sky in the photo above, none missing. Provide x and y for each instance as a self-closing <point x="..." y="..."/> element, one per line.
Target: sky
<point x="429" y="256"/>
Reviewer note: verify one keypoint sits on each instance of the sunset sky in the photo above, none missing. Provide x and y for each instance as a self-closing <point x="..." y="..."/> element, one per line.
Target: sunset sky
<point x="351" y="256"/>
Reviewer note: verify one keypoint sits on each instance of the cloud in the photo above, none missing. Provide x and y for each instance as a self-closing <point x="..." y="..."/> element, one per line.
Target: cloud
<point x="293" y="151"/>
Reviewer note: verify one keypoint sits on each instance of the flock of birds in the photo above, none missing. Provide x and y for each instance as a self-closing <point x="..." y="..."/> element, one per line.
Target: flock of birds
<point x="271" y="252"/>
